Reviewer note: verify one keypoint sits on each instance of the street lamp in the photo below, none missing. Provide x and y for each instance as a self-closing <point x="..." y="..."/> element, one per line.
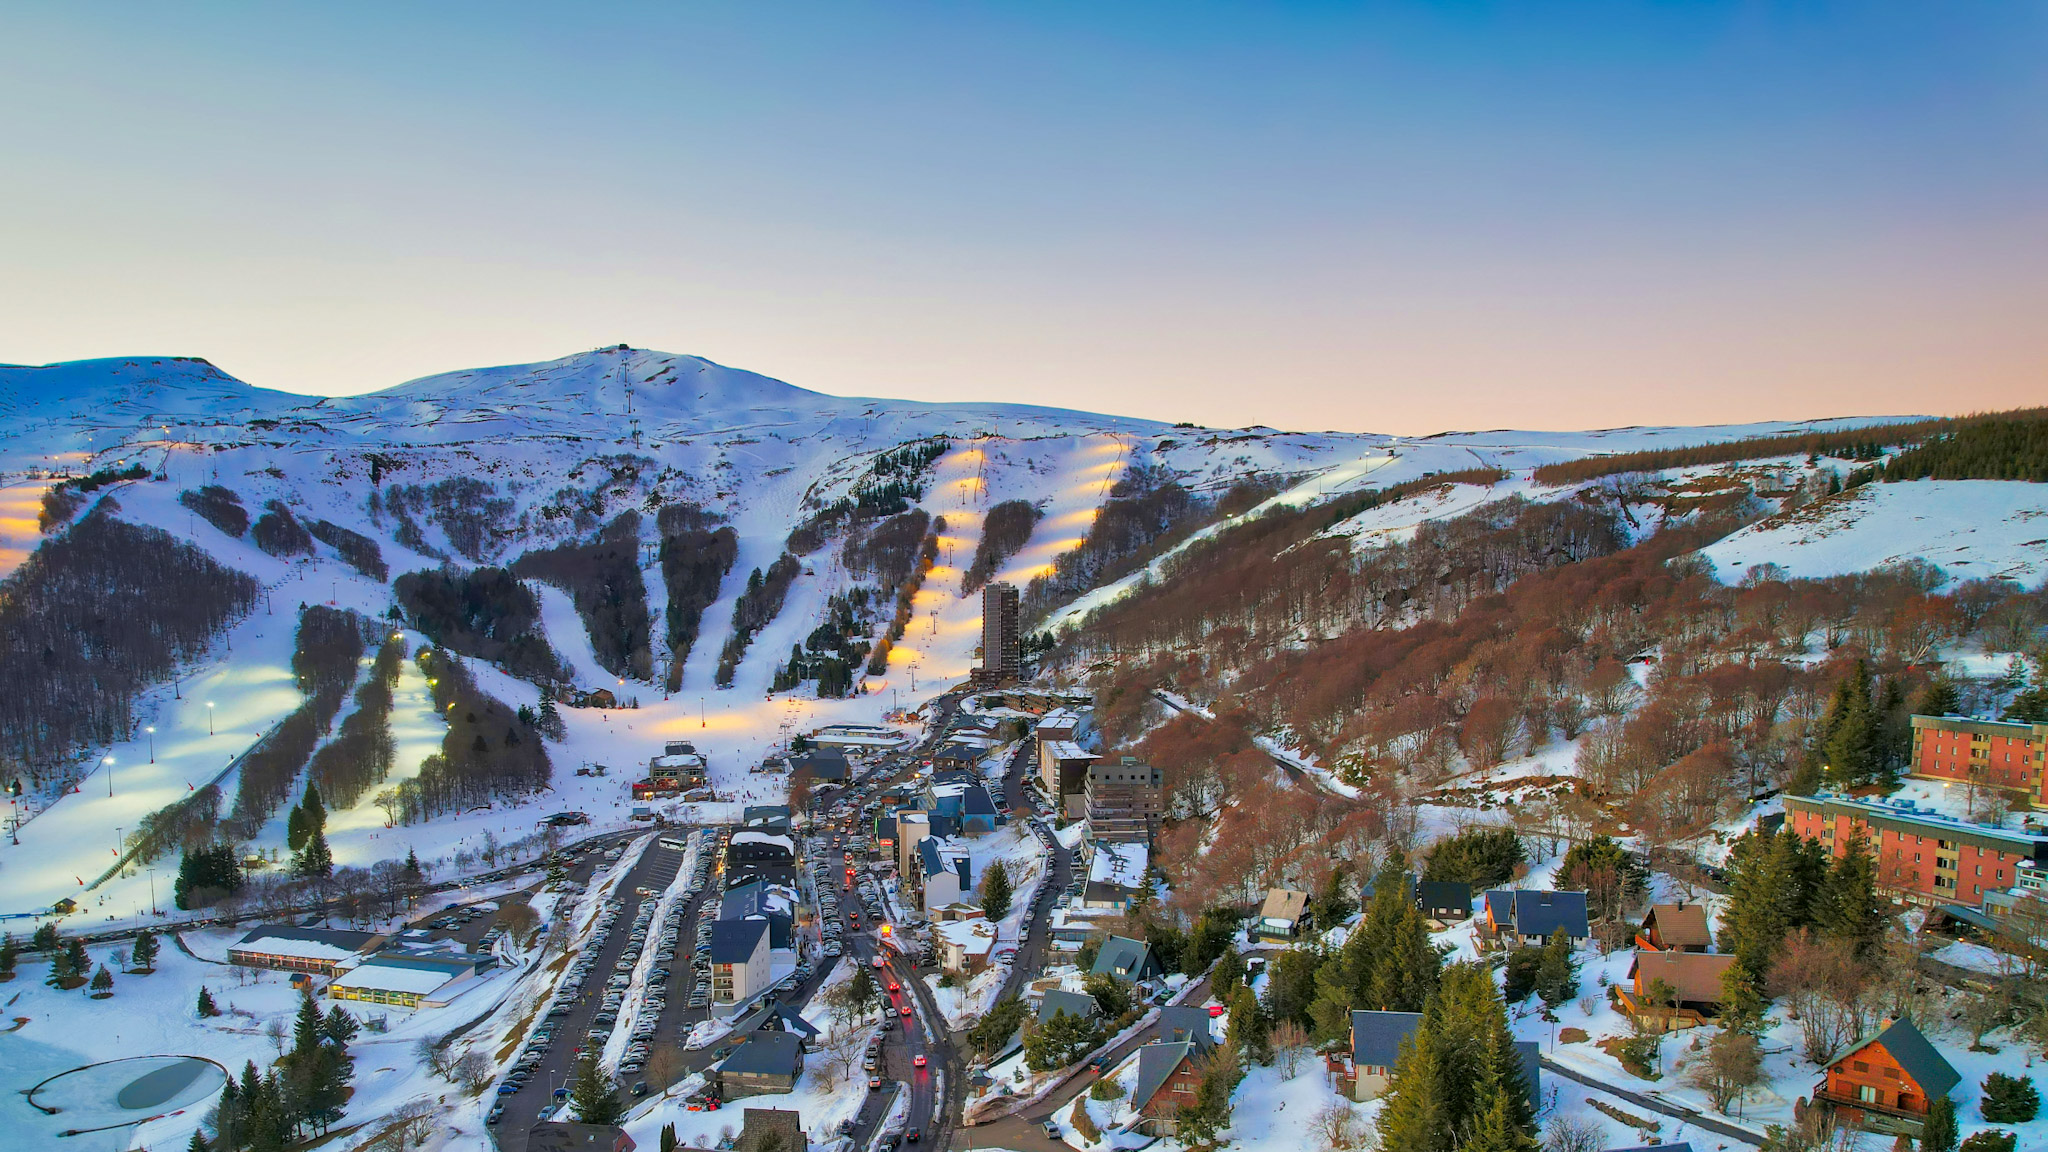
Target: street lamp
<point x="109" y="762"/>
<point x="152" y="742"/>
<point x="209" y="717"/>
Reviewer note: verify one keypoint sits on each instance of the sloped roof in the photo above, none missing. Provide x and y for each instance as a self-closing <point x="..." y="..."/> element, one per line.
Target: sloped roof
<point x="1283" y="904"/>
<point x="1532" y="1071"/>
<point x="1928" y="1067"/>
<point x="306" y="943"/>
<point x="761" y="1126"/>
<point x="1682" y="925"/>
<point x="734" y="941"/>
<point x="1693" y="975"/>
<point x="1121" y="952"/>
<point x="1156" y="1063"/>
<point x="766" y="1053"/>
<point x="1376" y="1036"/>
<point x="1186" y="1022"/>
<point x="1433" y="894"/>
<point x="775" y="1016"/>
<point x="1539" y="913"/>
<point x="1072" y="1003"/>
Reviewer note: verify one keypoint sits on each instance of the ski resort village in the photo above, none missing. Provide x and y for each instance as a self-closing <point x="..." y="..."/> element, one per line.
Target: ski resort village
<point x="631" y="752"/>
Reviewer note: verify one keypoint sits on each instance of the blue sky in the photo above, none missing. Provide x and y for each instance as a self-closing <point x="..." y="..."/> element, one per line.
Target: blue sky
<point x="1397" y="218"/>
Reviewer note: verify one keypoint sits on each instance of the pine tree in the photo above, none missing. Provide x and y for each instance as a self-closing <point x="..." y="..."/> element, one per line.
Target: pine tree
<point x="339" y="1026"/>
<point x="668" y="1141"/>
<point x="295" y="828"/>
<point x="1497" y="1131"/>
<point x="316" y="812"/>
<point x="995" y="891"/>
<point x="9" y="954"/>
<point x="1939" y="698"/>
<point x="306" y="1027"/>
<point x="1248" y="1032"/>
<point x="596" y="1098"/>
<point x="1557" y="972"/>
<point x="1850" y="744"/>
<point x="1333" y="903"/>
<point x="143" y="954"/>
<point x="1938" y="1130"/>
<point x="1847" y="906"/>
<point x="315" y="862"/>
<point x="198" y="1143"/>
<point x="206" y="1005"/>
<point x="102" y="983"/>
<point x="414" y="874"/>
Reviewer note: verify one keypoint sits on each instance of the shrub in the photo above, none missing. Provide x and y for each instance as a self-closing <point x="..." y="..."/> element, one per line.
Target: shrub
<point x="1105" y="1090"/>
<point x="280" y="533"/>
<point x="1992" y="1141"/>
<point x="218" y="506"/>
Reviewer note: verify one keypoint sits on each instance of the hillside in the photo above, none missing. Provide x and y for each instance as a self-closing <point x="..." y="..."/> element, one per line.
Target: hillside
<point x="639" y="494"/>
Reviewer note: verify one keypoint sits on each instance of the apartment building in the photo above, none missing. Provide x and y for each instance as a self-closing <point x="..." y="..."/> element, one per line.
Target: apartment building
<point x="1999" y="753"/>
<point x="1125" y="798"/>
<point x="1923" y="856"/>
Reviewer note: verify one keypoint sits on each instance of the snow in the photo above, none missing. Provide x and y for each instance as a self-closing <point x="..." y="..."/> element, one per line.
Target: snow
<point x="1971" y="529"/>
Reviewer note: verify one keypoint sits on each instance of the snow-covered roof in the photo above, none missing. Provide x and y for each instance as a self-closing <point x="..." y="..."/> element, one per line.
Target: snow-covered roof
<point x="764" y="838"/>
<point x="402" y="974"/>
<point x="1122" y="864"/>
<point x="1067" y="750"/>
<point x="974" y="937"/>
<point x="304" y="943"/>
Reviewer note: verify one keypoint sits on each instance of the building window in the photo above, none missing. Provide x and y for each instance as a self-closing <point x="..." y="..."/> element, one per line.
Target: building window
<point x="1868" y="1094"/>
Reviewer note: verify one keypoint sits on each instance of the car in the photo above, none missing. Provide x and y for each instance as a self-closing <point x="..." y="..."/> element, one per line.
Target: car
<point x="508" y="1089"/>
<point x="1052" y="1128"/>
<point x="881" y="963"/>
<point x="917" y="1061"/>
<point x="874" y="1083"/>
<point x="1215" y="1011"/>
<point x="497" y="1113"/>
<point x="894" y="986"/>
<point x="913" y="1136"/>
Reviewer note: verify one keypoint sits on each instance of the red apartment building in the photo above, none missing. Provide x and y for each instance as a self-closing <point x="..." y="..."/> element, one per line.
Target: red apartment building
<point x="2000" y="753"/>
<point x="1923" y="857"/>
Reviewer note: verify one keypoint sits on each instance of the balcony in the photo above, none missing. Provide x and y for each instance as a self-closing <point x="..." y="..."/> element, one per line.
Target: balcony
<point x="1887" y="1118"/>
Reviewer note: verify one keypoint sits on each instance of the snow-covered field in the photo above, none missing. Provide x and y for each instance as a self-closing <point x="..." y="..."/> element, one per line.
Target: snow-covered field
<point x="1971" y="529"/>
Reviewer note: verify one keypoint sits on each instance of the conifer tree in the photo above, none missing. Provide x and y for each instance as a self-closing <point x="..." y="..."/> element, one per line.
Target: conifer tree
<point x="1847" y="907"/>
<point x="316" y="812"/>
<point x="1938" y="1130"/>
<point x="1248" y="1032"/>
<point x="1850" y="740"/>
<point x="995" y="891"/>
<point x="1557" y="972"/>
<point x="102" y="983"/>
<point x="316" y="861"/>
<point x="207" y="1007"/>
<point x="295" y="828"/>
<point x="198" y="1143"/>
<point x="62" y="968"/>
<point x="10" y="953"/>
<point x="596" y="1099"/>
<point x="668" y="1141"/>
<point x="143" y="954"/>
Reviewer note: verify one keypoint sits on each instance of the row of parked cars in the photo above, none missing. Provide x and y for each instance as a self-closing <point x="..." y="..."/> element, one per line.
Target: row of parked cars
<point x="666" y="938"/>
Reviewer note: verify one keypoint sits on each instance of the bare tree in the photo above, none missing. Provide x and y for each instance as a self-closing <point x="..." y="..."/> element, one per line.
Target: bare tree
<point x="1821" y="985"/>
<point x="410" y="1124"/>
<point x="665" y="1065"/>
<point x="1341" y="1129"/>
<point x="432" y="1056"/>
<point x="1574" y="1134"/>
<point x="1290" y="1044"/>
<point x="273" y="1031"/>
<point x="1731" y="1065"/>
<point x="473" y="1070"/>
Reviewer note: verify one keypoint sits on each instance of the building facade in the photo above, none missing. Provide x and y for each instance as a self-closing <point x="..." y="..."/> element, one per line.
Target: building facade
<point x="1922" y="857"/>
<point x="1125" y="798"/>
<point x="1998" y="753"/>
<point x="1002" y="657"/>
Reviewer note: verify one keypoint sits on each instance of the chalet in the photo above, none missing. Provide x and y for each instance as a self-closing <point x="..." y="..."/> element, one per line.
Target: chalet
<point x="564" y="1136"/>
<point x="826" y="765"/>
<point x="773" y="818"/>
<point x="1376" y="1039"/>
<point x="1528" y="916"/>
<point x="767" y="1061"/>
<point x="1166" y="1083"/>
<point x="775" y="1016"/>
<point x="1189" y="1023"/>
<point x="1283" y="916"/>
<point x="1887" y="1082"/>
<point x="1058" y="1000"/>
<point x="944" y="873"/>
<point x="1675" y="928"/>
<point x="1694" y="983"/>
<point x="1445" y="900"/>
<point x="1125" y="959"/>
<point x="766" y="1129"/>
<point x="321" y="951"/>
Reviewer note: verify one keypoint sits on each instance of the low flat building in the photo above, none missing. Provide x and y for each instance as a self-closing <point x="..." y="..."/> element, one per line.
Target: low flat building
<point x="411" y="978"/>
<point x="285" y="948"/>
<point x="749" y="846"/>
<point x="859" y="738"/>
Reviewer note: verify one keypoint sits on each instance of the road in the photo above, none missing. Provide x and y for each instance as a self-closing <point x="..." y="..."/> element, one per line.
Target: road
<point x="1663" y="1107"/>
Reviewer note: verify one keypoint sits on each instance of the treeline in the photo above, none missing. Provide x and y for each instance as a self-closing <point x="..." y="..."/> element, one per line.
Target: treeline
<point x="279" y="533"/>
<point x="66" y="497"/>
<point x="486" y="613"/>
<point x="1833" y="443"/>
<point x="218" y="506"/>
<point x="90" y="620"/>
<point x="1147" y="512"/>
<point x="469" y="512"/>
<point x="906" y="598"/>
<point x="887" y="550"/>
<point x="603" y="579"/>
<point x="183" y="825"/>
<point x="1986" y="449"/>
<point x="487" y="755"/>
<point x="1004" y="532"/>
<point x="695" y="556"/>
<point x="361" y="754"/>
<point x="329" y="647"/>
<point x="893" y="482"/>
<point x="755" y="608"/>
<point x="1345" y="507"/>
<point x="355" y="549"/>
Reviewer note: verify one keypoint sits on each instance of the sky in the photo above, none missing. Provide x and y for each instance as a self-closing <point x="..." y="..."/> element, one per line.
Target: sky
<point x="1390" y="218"/>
